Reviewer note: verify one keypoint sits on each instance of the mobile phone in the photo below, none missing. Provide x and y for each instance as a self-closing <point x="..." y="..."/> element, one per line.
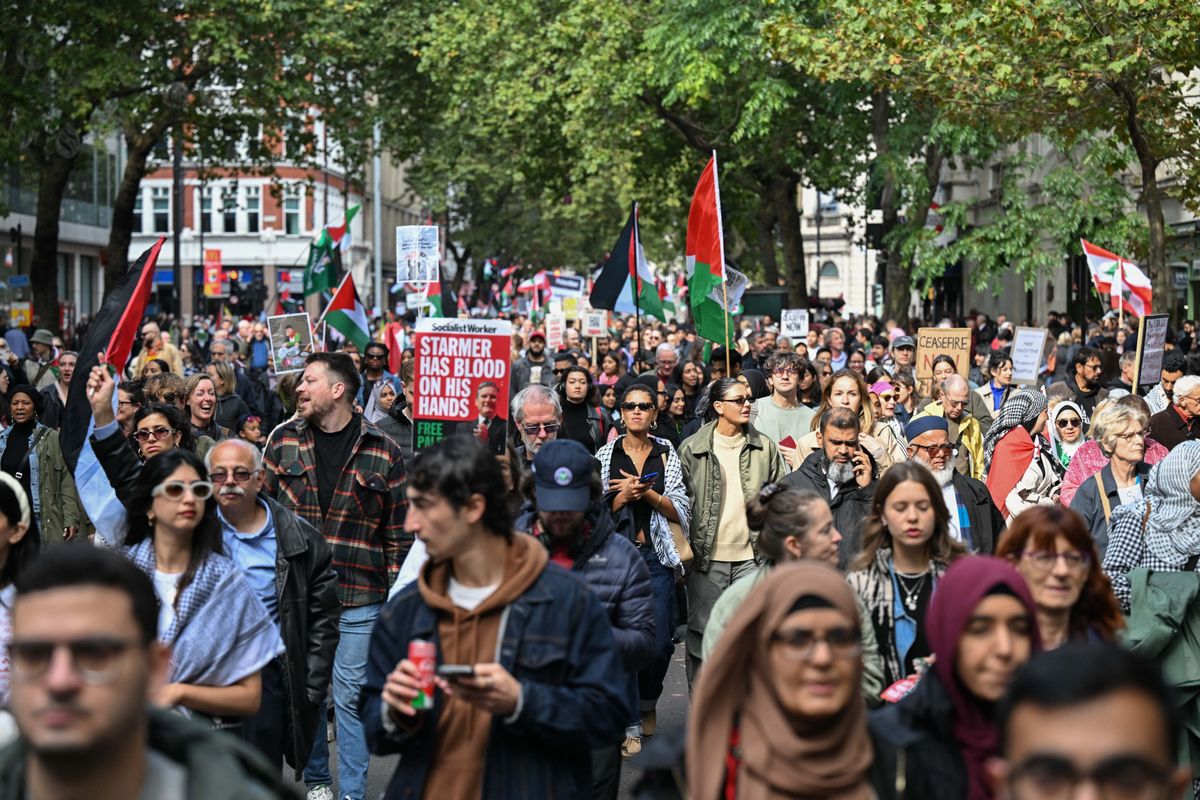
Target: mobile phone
<point x="451" y="671"/>
<point x="649" y="477"/>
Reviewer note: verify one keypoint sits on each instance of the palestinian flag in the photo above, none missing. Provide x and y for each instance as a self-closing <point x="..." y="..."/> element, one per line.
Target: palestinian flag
<point x="625" y="283"/>
<point x="441" y="298"/>
<point x="111" y="335"/>
<point x="347" y="315"/>
<point x="340" y="235"/>
<point x="705" y="259"/>
<point x="319" y="272"/>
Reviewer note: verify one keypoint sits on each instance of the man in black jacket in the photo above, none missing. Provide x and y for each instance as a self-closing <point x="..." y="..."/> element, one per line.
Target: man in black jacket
<point x="572" y="520"/>
<point x="1084" y="380"/>
<point x="974" y="519"/>
<point x="844" y="474"/>
<point x="289" y="565"/>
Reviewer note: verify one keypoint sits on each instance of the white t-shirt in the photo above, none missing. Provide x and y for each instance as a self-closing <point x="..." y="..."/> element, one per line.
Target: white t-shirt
<point x="7" y="596"/>
<point x="166" y="586"/>
<point x="469" y="598"/>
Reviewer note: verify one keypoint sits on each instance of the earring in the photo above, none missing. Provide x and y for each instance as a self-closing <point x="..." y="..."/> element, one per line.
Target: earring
<point x="653" y="424"/>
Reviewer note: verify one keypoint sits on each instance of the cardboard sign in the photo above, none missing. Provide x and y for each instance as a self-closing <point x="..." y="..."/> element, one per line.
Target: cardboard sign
<point x="417" y="253"/>
<point x="793" y="324"/>
<point x="1028" y="347"/>
<point x="291" y="342"/>
<point x="456" y="360"/>
<point x="595" y="323"/>
<point x="933" y="342"/>
<point x="1152" y="337"/>
<point x="556" y="325"/>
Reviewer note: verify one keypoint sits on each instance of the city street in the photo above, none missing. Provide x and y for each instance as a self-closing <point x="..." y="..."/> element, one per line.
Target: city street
<point x="672" y="716"/>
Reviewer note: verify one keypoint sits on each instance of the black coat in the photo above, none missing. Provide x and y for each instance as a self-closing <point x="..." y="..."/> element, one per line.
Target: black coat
<point x="850" y="507"/>
<point x="1086" y="502"/>
<point x="919" y="727"/>
<point x="987" y="523"/>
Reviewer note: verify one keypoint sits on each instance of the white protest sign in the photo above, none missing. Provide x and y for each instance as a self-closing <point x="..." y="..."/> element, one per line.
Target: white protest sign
<point x="555" y="325"/>
<point x="1028" y="346"/>
<point x="417" y="253"/>
<point x="595" y="323"/>
<point x="1152" y="337"/>
<point x="794" y="324"/>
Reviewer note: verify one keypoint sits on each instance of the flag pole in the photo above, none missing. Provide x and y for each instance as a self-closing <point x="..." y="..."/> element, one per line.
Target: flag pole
<point x="635" y="287"/>
<point x="724" y="277"/>
<point x="1120" y="293"/>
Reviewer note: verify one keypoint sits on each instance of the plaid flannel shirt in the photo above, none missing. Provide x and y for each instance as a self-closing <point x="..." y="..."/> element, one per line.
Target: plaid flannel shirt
<point x="365" y="523"/>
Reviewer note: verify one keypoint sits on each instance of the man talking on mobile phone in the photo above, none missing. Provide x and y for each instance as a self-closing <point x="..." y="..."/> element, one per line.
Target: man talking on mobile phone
<point x="548" y="685"/>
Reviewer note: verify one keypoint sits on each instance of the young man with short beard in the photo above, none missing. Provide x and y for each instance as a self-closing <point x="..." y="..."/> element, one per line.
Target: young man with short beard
<point x="974" y="519"/>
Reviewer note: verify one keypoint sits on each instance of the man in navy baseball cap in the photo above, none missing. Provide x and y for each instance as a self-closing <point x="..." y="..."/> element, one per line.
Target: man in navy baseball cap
<point x="562" y="476"/>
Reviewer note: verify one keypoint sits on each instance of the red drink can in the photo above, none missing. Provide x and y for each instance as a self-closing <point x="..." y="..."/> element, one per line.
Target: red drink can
<point x="424" y="655"/>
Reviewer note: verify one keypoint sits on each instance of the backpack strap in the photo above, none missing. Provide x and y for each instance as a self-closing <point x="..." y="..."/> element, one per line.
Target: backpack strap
<point x="1104" y="499"/>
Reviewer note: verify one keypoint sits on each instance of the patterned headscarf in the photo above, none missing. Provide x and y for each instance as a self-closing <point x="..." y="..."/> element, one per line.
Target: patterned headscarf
<point x="1173" y="528"/>
<point x="1021" y="407"/>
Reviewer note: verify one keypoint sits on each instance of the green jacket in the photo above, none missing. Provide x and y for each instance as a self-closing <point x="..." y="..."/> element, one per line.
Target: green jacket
<point x="1164" y="626"/>
<point x="218" y="764"/>
<point x="761" y="463"/>
<point x="731" y="600"/>
<point x="58" y="502"/>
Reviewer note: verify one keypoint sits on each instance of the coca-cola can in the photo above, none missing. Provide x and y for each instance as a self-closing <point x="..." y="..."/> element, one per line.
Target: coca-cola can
<point x="423" y="654"/>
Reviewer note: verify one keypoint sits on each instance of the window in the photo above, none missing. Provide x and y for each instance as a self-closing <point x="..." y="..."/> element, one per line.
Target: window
<point x="137" y="214"/>
<point x="87" y="267"/>
<point x="291" y="211"/>
<point x="206" y="210"/>
<point x="827" y="203"/>
<point x="253" y="207"/>
<point x="829" y="270"/>
<point x="161" y="199"/>
<point x="229" y="210"/>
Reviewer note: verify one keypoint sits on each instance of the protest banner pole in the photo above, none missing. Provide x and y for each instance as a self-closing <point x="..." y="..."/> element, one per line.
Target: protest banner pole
<point x="728" y="344"/>
<point x="321" y="318"/>
<point x="1137" y="362"/>
<point x="1120" y="295"/>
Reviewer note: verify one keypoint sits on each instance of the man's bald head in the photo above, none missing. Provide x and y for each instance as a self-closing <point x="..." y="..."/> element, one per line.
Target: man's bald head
<point x="955" y="394"/>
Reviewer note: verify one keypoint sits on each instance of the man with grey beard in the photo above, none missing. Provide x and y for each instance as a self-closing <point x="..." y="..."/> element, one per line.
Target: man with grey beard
<point x="974" y="519"/>
<point x="844" y="474"/>
<point x="289" y="565"/>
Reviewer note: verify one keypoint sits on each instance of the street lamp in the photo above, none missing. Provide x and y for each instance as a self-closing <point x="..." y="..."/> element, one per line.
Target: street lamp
<point x="176" y="98"/>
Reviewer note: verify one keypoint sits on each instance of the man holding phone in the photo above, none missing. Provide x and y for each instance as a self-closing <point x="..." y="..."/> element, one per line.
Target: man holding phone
<point x="546" y="684"/>
<point x="842" y="473"/>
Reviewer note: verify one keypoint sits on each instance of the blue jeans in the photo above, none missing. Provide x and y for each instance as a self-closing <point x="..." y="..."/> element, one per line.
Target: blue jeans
<point x="662" y="584"/>
<point x="349" y="674"/>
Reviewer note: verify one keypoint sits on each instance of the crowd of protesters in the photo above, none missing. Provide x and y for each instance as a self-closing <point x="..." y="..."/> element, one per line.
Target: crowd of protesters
<point x="884" y="584"/>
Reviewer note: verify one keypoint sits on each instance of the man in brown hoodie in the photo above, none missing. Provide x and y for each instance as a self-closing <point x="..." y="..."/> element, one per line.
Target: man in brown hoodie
<point x="547" y="683"/>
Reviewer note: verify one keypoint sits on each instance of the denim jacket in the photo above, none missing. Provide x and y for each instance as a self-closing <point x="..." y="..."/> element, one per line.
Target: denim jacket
<point x="556" y="641"/>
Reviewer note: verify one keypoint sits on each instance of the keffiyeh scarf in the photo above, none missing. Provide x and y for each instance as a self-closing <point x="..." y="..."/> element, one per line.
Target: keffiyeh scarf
<point x="1022" y="406"/>
<point x="1173" y="528"/>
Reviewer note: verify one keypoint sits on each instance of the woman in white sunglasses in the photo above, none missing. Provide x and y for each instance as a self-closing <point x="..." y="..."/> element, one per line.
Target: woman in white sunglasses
<point x="219" y="632"/>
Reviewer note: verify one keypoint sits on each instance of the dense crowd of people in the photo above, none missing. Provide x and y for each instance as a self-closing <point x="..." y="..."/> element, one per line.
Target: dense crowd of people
<point x="887" y="582"/>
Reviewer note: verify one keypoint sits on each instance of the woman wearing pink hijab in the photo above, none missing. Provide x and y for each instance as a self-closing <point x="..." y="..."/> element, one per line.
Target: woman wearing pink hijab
<point x="935" y="742"/>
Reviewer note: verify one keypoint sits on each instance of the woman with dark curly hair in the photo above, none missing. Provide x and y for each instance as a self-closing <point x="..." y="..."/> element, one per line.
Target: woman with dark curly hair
<point x="906" y="548"/>
<point x="581" y="408"/>
<point x="1053" y="550"/>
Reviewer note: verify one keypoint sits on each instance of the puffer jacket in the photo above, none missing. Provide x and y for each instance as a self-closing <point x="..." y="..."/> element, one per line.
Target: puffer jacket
<point x="761" y="463"/>
<point x="619" y="577"/>
<point x="916" y="754"/>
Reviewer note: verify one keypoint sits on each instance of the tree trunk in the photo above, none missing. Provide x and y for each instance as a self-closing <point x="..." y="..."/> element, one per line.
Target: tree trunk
<point x="765" y="225"/>
<point x="896" y="276"/>
<point x="53" y="176"/>
<point x="138" y="147"/>
<point x="787" y="214"/>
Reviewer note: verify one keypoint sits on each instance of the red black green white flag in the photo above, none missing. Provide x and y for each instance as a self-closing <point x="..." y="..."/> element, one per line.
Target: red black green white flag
<point x="347" y="315"/>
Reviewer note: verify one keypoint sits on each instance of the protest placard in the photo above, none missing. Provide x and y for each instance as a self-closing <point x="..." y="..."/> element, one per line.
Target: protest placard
<point x="1028" y="348"/>
<point x="564" y="286"/>
<point x="1152" y="337"/>
<point x="793" y="324"/>
<point x="595" y="323"/>
<point x="461" y="375"/>
<point x="291" y="341"/>
<point x="556" y="325"/>
<point x="933" y="342"/>
<point x="570" y="308"/>
<point x="417" y="253"/>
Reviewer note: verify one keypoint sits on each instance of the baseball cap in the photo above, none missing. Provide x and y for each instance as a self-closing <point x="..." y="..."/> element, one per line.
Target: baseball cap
<point x="904" y="341"/>
<point x="562" y="476"/>
<point x="538" y="335"/>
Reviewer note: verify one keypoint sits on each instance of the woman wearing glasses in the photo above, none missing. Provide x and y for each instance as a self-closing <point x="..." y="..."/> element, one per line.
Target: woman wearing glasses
<point x="30" y="452"/>
<point x="777" y="710"/>
<point x="725" y="463"/>
<point x="219" y="633"/>
<point x="935" y="743"/>
<point x="646" y="493"/>
<point x="1055" y="554"/>
<point x="1120" y="430"/>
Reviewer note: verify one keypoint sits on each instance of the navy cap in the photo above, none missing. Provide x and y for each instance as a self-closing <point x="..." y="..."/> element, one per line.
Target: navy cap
<point x="920" y="425"/>
<point x="562" y="476"/>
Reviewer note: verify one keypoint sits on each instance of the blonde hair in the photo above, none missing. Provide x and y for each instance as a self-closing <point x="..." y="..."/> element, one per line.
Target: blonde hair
<point x="1108" y="422"/>
<point x="866" y="416"/>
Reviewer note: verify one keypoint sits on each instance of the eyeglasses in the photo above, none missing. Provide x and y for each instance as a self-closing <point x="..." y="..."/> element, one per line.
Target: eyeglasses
<point x="936" y="449"/>
<point x="799" y="643"/>
<point x="1074" y="422"/>
<point x="785" y="371"/>
<point x="1122" y="777"/>
<point x="1044" y="561"/>
<point x="952" y="403"/>
<point x="240" y="475"/>
<point x="638" y="406"/>
<point x="167" y="397"/>
<point x="1133" y="436"/>
<point x="175" y="490"/>
<point x="744" y="400"/>
<point x="93" y="659"/>
<point x="123" y="403"/>
<point x="375" y="356"/>
<point x="156" y="433"/>
<point x="548" y="427"/>
<point x="887" y="398"/>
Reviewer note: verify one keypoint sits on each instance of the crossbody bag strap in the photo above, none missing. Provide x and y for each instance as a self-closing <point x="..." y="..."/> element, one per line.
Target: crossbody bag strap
<point x="1104" y="498"/>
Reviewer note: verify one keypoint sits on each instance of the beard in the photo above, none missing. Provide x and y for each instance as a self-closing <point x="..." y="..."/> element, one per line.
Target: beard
<point x="840" y="471"/>
<point x="943" y="476"/>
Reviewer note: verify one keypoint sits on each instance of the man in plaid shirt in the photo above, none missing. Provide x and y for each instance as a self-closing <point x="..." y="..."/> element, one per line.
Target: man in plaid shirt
<point x="346" y="477"/>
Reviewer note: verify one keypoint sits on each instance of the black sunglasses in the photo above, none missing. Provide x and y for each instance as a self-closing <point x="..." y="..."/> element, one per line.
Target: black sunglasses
<point x="630" y="406"/>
